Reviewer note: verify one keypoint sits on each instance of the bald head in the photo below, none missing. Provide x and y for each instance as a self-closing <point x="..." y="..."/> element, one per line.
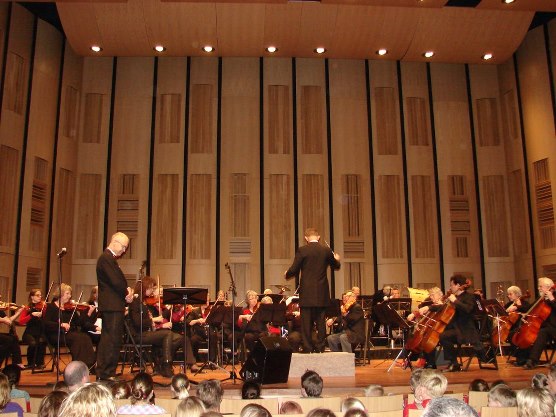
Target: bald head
<point x="76" y="374"/>
<point x="118" y="243"/>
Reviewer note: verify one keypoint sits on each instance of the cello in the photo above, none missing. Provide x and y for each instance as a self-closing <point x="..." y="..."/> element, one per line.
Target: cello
<point x="500" y="333"/>
<point x="531" y="323"/>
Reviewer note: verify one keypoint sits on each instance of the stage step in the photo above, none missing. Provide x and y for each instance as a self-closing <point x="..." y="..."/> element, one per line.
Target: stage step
<point x="325" y="364"/>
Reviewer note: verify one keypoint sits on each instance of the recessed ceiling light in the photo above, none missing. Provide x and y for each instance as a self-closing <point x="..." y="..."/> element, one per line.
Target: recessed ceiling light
<point x="96" y="48"/>
<point x="428" y="54"/>
<point x="487" y="56"/>
<point x="271" y="49"/>
<point x="382" y="51"/>
<point x="507" y="1"/>
<point x="208" y="48"/>
<point x="320" y="50"/>
<point x="159" y="48"/>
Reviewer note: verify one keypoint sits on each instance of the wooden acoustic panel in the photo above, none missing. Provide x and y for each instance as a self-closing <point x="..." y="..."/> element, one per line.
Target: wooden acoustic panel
<point x="71" y="111"/>
<point x="385" y="121"/>
<point x="165" y="233"/>
<point x="201" y="136"/>
<point x="422" y="199"/>
<point x="518" y="213"/>
<point x="311" y="119"/>
<point x="487" y="121"/>
<point x="92" y="122"/>
<point x="544" y="203"/>
<point x="65" y="203"/>
<point x="279" y="116"/>
<point x="280" y="216"/>
<point x="312" y="201"/>
<point x="39" y="204"/>
<point x="199" y="216"/>
<point x="239" y="205"/>
<point x="127" y="210"/>
<point x="170" y="118"/>
<point x="416" y="120"/>
<point x="9" y="162"/>
<point x="352" y="216"/>
<point x="460" y="218"/>
<point x="496" y="218"/>
<point x="510" y="125"/>
<point x="390" y="216"/>
<point x="15" y="82"/>
<point x="87" y="241"/>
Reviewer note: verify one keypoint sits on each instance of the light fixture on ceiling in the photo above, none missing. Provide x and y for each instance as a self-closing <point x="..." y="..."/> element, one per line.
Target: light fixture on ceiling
<point x="508" y="1"/>
<point x="487" y="56"/>
<point x="319" y="50"/>
<point x="382" y="51"/>
<point x="271" y="49"/>
<point x="96" y="48"/>
<point x="208" y="48"/>
<point x="159" y="48"/>
<point x="428" y="54"/>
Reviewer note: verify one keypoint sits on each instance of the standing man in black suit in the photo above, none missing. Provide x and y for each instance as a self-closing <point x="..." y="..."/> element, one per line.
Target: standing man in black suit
<point x="313" y="260"/>
<point x="113" y="294"/>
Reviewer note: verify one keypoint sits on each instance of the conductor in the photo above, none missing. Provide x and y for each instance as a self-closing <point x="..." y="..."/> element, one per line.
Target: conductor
<point x="312" y="260"/>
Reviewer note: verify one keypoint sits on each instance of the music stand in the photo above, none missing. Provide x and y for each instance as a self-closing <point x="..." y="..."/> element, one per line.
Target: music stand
<point x="276" y="298"/>
<point x="391" y="318"/>
<point x="230" y="315"/>
<point x="185" y="295"/>
<point x="271" y="313"/>
<point x="215" y="316"/>
<point x="494" y="310"/>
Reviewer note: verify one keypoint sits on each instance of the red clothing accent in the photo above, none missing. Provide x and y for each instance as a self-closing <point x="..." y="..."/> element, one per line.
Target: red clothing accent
<point x="25" y="316"/>
<point x="414" y="406"/>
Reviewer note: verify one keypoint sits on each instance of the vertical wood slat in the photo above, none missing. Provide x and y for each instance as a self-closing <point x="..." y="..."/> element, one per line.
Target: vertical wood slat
<point x="487" y="121"/>
<point x="38" y="205"/>
<point x="390" y="221"/>
<point x="311" y="119"/>
<point x="545" y="206"/>
<point x="65" y="203"/>
<point x="199" y="227"/>
<point x="9" y="158"/>
<point x="386" y="131"/>
<point x="15" y="82"/>
<point x="170" y="118"/>
<point x="423" y="216"/>
<point x="239" y="205"/>
<point x="312" y="201"/>
<point x="279" y="131"/>
<point x="88" y="216"/>
<point x="460" y="219"/>
<point x="517" y="213"/>
<point x="127" y="210"/>
<point x="496" y="218"/>
<point x="165" y="231"/>
<point x="71" y="110"/>
<point x="201" y="134"/>
<point x="354" y="271"/>
<point x="280" y="227"/>
<point x="510" y="125"/>
<point x="416" y="117"/>
<point x="92" y="119"/>
<point x="352" y="216"/>
<point x="33" y="278"/>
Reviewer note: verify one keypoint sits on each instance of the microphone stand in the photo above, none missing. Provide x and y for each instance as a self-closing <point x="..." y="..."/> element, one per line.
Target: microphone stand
<point x="60" y="256"/>
<point x="141" y="275"/>
<point x="233" y="376"/>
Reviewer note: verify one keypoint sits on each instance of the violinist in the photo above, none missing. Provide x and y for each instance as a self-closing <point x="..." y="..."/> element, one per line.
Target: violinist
<point x="198" y="331"/>
<point x="34" y="333"/>
<point x="9" y="343"/>
<point x="334" y="324"/>
<point x="293" y="316"/>
<point x="251" y="329"/>
<point x="548" y="328"/>
<point x="79" y="344"/>
<point x="90" y="317"/>
<point x="353" y="324"/>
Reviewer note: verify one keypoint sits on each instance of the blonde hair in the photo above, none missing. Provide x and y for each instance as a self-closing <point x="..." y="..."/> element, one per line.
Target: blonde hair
<point x="503" y="395"/>
<point x="59" y="291"/>
<point x="90" y="400"/>
<point x="514" y="290"/>
<point x="374" y="390"/>
<point x="4" y="391"/>
<point x="250" y="293"/>
<point x="349" y="403"/>
<point x="535" y="402"/>
<point x="435" y="290"/>
<point x="433" y="382"/>
<point x="190" y="407"/>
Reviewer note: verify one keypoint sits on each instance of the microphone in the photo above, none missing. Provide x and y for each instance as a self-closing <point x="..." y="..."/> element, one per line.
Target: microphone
<point x="62" y="253"/>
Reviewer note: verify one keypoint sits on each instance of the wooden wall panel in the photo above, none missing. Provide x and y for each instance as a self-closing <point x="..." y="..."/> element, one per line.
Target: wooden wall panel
<point x="15" y="82"/>
<point x="312" y="201"/>
<point x="544" y="203"/>
<point x="279" y="116"/>
<point x="312" y="112"/>
<point x="65" y="205"/>
<point x="390" y="216"/>
<point x="93" y="117"/>
<point x="199" y="217"/>
<point x="202" y="118"/>
<point x="496" y="216"/>
<point x="170" y="118"/>
<point x="417" y="121"/>
<point x="9" y="162"/>
<point x="280" y="213"/>
<point x="71" y="106"/>
<point x="518" y="213"/>
<point x="386" y="131"/>
<point x="88" y="217"/>
<point x="423" y="216"/>
<point x="352" y="216"/>
<point x="487" y="118"/>
<point x="510" y="127"/>
<point x="166" y="225"/>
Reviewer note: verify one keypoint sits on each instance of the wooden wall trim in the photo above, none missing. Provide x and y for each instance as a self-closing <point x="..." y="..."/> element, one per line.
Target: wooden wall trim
<point x="218" y="169"/>
<point x="151" y="161"/>
<point x="185" y="175"/>
<point x="261" y="172"/>
<point x="5" y="56"/>
<point x="295" y="162"/>
<point x="23" y="157"/>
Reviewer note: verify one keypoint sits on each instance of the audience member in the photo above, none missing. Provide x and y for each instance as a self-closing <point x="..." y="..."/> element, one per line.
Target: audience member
<point x="321" y="412"/>
<point x="121" y="390"/>
<point x="311" y="384"/>
<point x="374" y="390"/>
<point x="13" y="372"/>
<point x="501" y="396"/>
<point x="211" y="414"/>
<point x="142" y="397"/>
<point x="254" y="410"/>
<point x="535" y="402"/>
<point x="349" y="403"/>
<point x="190" y="407"/>
<point x="250" y="390"/>
<point x="355" y="412"/>
<point x="539" y="381"/>
<point x="478" y="385"/>
<point x="210" y="392"/>
<point x="498" y="382"/>
<point x="76" y="375"/>
<point x="290" y="407"/>
<point x="7" y="406"/>
<point x="50" y="405"/>
<point x="90" y="400"/>
<point x="180" y="386"/>
<point x="551" y="382"/>
<point x="448" y="407"/>
<point x="414" y="378"/>
<point x="431" y="384"/>
<point x="61" y="386"/>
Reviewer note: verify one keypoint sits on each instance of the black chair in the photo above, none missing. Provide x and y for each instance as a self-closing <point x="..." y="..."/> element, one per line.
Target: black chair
<point x="131" y="352"/>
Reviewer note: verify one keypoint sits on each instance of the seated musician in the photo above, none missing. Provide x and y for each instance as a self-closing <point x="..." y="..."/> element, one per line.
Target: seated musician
<point x="79" y="344"/>
<point x="89" y="318"/>
<point x="198" y="330"/>
<point x="516" y="304"/>
<point x="353" y="326"/>
<point x="293" y="316"/>
<point x="461" y="328"/>
<point x="34" y="334"/>
<point x="164" y="339"/>
<point x="251" y="329"/>
<point x="9" y="343"/>
<point x="548" y="328"/>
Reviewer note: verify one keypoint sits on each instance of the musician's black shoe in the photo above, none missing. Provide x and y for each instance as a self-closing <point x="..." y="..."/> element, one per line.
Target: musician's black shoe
<point x="193" y="368"/>
<point x="430" y="366"/>
<point x="530" y="364"/>
<point x="454" y="367"/>
<point x="520" y="362"/>
<point x="305" y="352"/>
<point x="166" y="370"/>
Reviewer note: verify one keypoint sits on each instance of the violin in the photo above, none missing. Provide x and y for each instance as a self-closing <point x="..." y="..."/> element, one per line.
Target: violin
<point x="4" y="306"/>
<point x="72" y="305"/>
<point x="152" y="300"/>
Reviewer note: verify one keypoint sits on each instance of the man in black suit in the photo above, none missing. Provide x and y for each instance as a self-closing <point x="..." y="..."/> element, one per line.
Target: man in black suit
<point x="113" y="294"/>
<point x="313" y="260"/>
<point x="353" y="329"/>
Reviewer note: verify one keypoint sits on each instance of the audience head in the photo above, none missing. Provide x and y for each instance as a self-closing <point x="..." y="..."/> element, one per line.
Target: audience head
<point x="321" y="412"/>
<point x="190" y="407"/>
<point x="61" y="386"/>
<point x="551" y="381"/>
<point x="374" y="390"/>
<point x="121" y="390"/>
<point x="478" y="385"/>
<point x="448" y="407"/>
<point x="250" y="390"/>
<point x="290" y="407"/>
<point x="432" y="384"/>
<point x="142" y="388"/>
<point x="501" y="396"/>
<point x="349" y="403"/>
<point x="311" y="384"/>
<point x="211" y="413"/>
<point x="90" y="400"/>
<point x="254" y="410"/>
<point x="180" y="386"/>
<point x="13" y="372"/>
<point x="50" y="405"/>
<point x="4" y="391"/>
<point x="210" y="392"/>
<point x="535" y="402"/>
<point x="355" y="412"/>
<point x="76" y="375"/>
<point x="498" y="382"/>
<point x="539" y="381"/>
<point x="414" y="378"/>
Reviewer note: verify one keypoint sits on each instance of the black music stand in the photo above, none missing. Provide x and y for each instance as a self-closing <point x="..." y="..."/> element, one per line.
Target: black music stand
<point x="388" y="315"/>
<point x="215" y="317"/>
<point x="495" y="311"/>
<point x="271" y="313"/>
<point x="185" y="295"/>
<point x="230" y="316"/>
<point x="276" y="298"/>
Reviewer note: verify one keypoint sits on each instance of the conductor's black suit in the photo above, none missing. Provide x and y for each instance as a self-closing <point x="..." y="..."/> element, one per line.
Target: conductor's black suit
<point x="313" y="260"/>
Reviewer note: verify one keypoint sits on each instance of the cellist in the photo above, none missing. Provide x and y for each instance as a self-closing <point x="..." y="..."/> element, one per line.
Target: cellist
<point x="548" y="327"/>
<point x="518" y="305"/>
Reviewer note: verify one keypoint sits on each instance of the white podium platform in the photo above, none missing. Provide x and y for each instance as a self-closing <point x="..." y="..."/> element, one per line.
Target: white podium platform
<point x="325" y="364"/>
